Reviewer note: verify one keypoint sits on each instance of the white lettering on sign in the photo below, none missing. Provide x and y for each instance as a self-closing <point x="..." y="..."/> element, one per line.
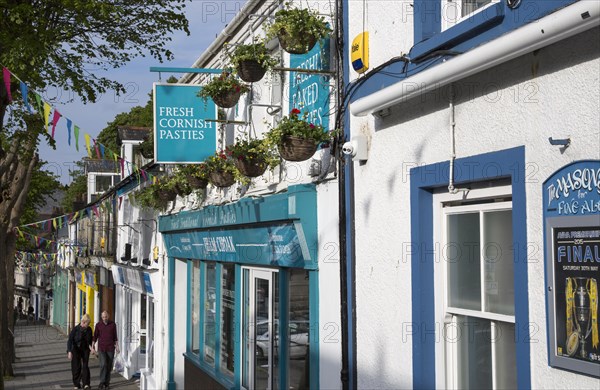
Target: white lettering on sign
<point x="181" y="134"/>
<point x="222" y="244"/>
<point x="176" y="111"/>
<point x="580" y="179"/>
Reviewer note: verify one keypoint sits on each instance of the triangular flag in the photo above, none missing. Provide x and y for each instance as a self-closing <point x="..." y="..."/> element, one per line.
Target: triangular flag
<point x="97" y="150"/>
<point x="87" y="144"/>
<point x="6" y="75"/>
<point x="69" y="123"/>
<point x="24" y="92"/>
<point x="55" y="117"/>
<point x="38" y="103"/>
<point x="76" y="131"/>
<point x="102" y="150"/>
<point x="47" y="109"/>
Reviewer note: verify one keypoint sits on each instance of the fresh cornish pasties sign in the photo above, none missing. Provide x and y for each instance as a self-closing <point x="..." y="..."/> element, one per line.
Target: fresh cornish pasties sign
<point x="181" y="132"/>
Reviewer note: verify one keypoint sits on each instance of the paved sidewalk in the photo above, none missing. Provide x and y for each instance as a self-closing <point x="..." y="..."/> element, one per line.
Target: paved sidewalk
<point x="42" y="362"/>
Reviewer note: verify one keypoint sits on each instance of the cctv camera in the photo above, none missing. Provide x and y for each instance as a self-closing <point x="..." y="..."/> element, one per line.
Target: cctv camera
<point x="349" y="148"/>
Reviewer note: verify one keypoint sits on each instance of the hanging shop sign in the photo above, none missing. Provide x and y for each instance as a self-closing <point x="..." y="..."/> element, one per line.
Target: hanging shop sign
<point x="310" y="93"/>
<point x="133" y="279"/>
<point x="572" y="257"/>
<point x="182" y="133"/>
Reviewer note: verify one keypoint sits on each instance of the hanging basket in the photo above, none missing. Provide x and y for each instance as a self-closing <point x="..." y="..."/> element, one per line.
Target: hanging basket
<point x="294" y="148"/>
<point x="254" y="168"/>
<point x="166" y="195"/>
<point x="228" y="99"/>
<point x="296" y="44"/>
<point x="250" y="71"/>
<point x="196" y="183"/>
<point x="222" y="179"/>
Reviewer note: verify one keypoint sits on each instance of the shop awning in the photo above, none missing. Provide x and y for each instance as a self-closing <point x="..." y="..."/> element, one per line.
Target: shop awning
<point x="132" y="278"/>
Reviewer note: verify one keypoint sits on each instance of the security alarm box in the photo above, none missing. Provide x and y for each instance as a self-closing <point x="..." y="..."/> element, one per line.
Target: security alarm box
<point x="359" y="53"/>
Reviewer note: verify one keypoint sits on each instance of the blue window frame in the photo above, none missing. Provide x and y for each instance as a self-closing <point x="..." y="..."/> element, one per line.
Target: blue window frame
<point x="496" y="165"/>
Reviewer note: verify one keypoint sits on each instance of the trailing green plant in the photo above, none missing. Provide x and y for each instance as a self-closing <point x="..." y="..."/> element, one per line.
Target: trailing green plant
<point x="198" y="171"/>
<point x="252" y="52"/>
<point x="253" y="150"/>
<point x="296" y="126"/>
<point x="225" y="83"/>
<point x="300" y="24"/>
<point x="222" y="162"/>
<point x="147" y="198"/>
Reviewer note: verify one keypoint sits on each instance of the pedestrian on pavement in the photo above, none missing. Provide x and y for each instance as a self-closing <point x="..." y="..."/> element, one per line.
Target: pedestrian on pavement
<point x="30" y="314"/>
<point x="79" y="347"/>
<point x="106" y="343"/>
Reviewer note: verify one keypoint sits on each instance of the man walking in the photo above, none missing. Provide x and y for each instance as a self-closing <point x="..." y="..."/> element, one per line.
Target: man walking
<point x="106" y="343"/>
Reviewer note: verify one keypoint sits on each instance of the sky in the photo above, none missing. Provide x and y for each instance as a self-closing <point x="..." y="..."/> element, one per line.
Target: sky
<point x="206" y="20"/>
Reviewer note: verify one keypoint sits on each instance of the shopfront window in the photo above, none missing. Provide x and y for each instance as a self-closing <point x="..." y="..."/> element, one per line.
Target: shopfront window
<point x="210" y="298"/>
<point x="195" y="317"/>
<point x="299" y="330"/>
<point x="227" y="318"/>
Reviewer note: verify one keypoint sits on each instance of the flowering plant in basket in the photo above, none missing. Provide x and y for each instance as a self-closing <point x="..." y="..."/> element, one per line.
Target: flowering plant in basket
<point x="219" y="88"/>
<point x="222" y="170"/>
<point x="252" y="52"/>
<point x="252" y="151"/>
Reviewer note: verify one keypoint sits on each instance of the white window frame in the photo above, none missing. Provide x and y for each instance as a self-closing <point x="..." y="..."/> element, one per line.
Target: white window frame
<point x="447" y="5"/>
<point x="445" y="358"/>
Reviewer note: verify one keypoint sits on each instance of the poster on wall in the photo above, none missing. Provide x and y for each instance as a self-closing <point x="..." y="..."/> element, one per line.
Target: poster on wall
<point x="572" y="258"/>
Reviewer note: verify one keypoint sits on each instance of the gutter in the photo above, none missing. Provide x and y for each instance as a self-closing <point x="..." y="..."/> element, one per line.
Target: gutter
<point x="567" y="22"/>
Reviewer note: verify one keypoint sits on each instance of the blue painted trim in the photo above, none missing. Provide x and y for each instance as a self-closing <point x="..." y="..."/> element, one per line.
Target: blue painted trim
<point x="237" y="348"/>
<point x="171" y="385"/>
<point x="189" y="330"/>
<point x="349" y="215"/>
<point x="218" y="312"/>
<point x="313" y="309"/>
<point x="507" y="163"/>
<point x="185" y="70"/>
<point x="202" y="319"/>
<point x="461" y="32"/>
<point x="481" y="28"/>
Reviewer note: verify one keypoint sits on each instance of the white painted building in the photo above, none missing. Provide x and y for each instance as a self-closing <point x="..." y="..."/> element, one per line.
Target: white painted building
<point x="458" y="282"/>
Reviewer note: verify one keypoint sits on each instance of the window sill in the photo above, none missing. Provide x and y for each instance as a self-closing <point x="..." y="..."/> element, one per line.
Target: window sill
<point x="461" y="32"/>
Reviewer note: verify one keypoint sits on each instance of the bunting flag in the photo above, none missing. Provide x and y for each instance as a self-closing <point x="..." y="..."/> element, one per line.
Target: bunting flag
<point x="69" y="123"/>
<point x="47" y="109"/>
<point x="97" y="150"/>
<point x="55" y="117"/>
<point x="38" y="103"/>
<point x="101" y="150"/>
<point x="87" y="144"/>
<point x="76" y="131"/>
<point x="24" y="93"/>
<point x="6" y="75"/>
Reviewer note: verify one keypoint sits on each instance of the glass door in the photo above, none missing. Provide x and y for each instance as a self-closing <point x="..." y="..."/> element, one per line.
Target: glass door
<point x="260" y="318"/>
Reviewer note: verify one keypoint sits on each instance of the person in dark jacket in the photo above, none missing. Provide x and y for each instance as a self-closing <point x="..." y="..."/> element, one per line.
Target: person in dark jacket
<point x="106" y="343"/>
<point x="79" y="346"/>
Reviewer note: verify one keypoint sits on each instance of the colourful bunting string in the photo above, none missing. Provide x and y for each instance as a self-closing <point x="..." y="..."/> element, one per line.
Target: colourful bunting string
<point x="6" y="76"/>
<point x="55" y="117"/>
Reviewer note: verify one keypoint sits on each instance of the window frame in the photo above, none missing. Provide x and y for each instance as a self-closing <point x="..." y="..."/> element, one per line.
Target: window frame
<point x="446" y="358"/>
<point x="447" y="23"/>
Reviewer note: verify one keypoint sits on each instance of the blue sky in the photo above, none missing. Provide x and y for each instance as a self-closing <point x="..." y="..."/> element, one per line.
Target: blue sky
<point x="206" y="18"/>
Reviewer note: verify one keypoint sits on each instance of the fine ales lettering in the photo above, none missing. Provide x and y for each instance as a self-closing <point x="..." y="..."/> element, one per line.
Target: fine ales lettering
<point x="578" y="246"/>
<point x="574" y="187"/>
<point x="178" y="123"/>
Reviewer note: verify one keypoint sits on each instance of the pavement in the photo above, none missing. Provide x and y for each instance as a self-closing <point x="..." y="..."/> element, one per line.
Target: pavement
<point x="41" y="361"/>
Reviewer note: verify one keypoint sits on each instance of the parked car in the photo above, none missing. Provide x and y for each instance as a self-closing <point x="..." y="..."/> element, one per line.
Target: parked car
<point x="298" y="338"/>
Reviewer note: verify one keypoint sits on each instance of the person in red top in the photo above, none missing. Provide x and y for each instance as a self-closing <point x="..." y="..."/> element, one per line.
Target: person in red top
<point x="106" y="343"/>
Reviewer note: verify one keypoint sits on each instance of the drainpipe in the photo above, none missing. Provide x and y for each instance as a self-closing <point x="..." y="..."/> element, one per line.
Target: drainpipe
<point x="346" y="220"/>
<point x="171" y="384"/>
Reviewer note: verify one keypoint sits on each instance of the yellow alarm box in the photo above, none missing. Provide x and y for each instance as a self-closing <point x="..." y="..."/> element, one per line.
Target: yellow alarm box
<point x="359" y="53"/>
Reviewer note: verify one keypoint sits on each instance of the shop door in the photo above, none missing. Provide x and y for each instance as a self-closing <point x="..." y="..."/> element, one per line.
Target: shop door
<point x="260" y="318"/>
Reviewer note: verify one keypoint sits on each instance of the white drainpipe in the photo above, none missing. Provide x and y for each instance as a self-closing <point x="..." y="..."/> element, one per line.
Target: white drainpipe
<point x="569" y="21"/>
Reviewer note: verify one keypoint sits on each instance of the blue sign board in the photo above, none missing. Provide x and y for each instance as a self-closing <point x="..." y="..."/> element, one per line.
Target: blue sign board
<point x="310" y="93"/>
<point x="571" y="207"/>
<point x="181" y="132"/>
<point x="282" y="245"/>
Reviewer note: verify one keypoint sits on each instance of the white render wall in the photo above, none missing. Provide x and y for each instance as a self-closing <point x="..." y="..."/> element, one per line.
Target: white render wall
<point x="553" y="93"/>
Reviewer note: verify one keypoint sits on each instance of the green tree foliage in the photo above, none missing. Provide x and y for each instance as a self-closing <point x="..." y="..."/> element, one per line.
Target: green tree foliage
<point x="71" y="45"/>
<point x="76" y="191"/>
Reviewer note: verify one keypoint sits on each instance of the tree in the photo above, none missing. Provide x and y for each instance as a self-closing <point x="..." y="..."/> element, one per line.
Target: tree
<point x="64" y="43"/>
